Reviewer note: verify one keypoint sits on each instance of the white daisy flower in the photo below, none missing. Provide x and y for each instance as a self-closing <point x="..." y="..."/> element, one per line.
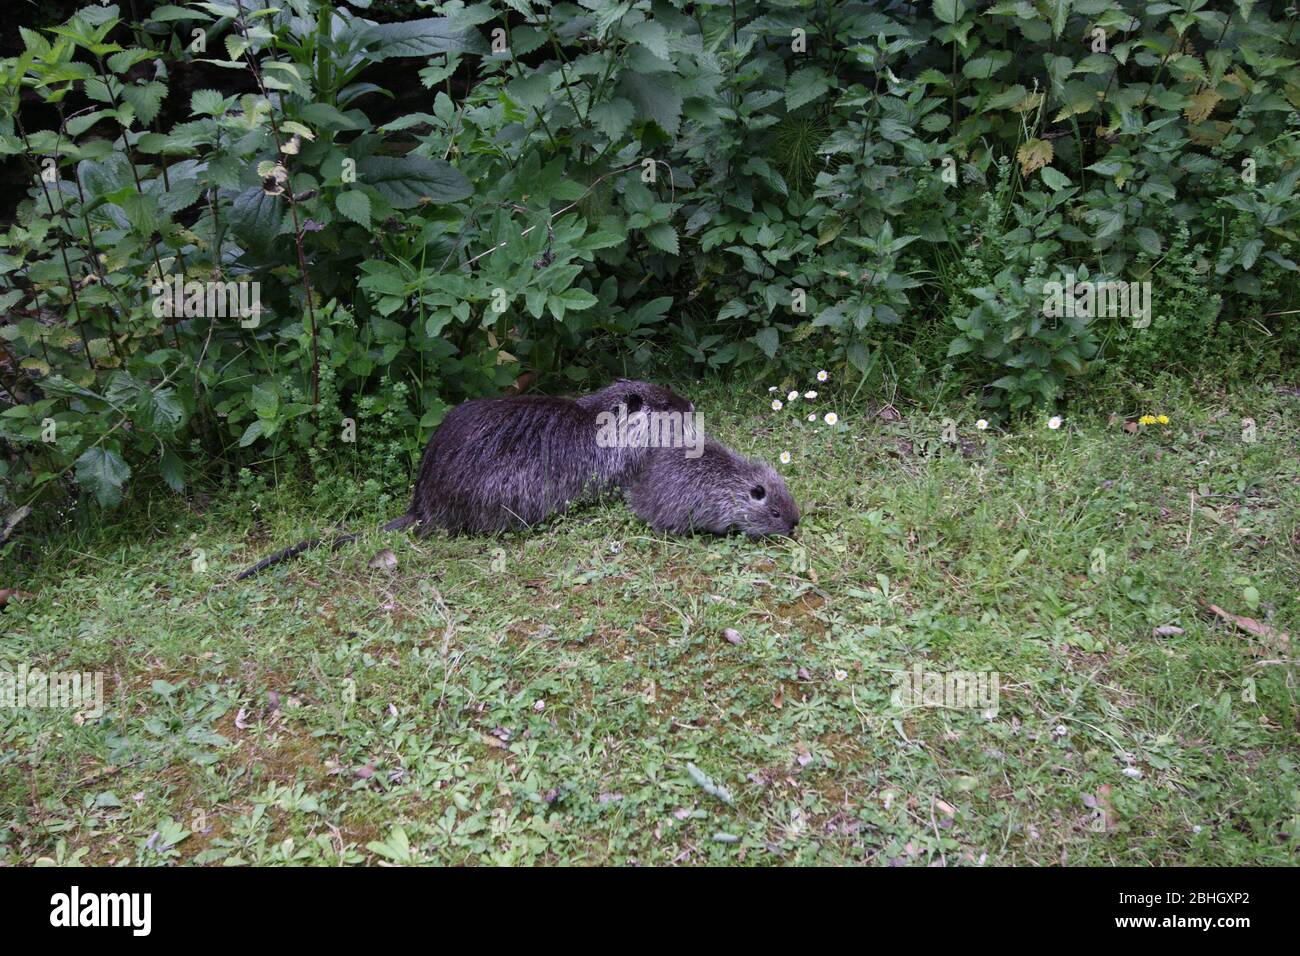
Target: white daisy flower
<point x="982" y="424"/>
<point x="771" y="388"/>
<point x="785" y="458"/>
<point x="792" y="396"/>
<point x="1054" y="422"/>
<point x="810" y="394"/>
<point x="822" y="376"/>
<point x="831" y="418"/>
<point x="812" y="417"/>
<point x="777" y="405"/>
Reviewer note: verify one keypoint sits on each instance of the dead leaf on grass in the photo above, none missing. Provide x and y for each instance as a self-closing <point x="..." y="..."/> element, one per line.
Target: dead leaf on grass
<point x="1264" y="632"/>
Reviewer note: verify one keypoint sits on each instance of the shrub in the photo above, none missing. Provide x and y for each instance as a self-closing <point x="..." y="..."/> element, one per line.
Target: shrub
<point x="604" y="188"/>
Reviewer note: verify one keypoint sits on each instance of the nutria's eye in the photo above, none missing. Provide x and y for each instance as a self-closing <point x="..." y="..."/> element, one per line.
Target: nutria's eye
<point x="758" y="492"/>
<point x="634" y="402"/>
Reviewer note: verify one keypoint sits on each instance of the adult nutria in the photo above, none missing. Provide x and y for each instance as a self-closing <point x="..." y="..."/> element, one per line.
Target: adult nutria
<point x="718" y="491"/>
<point x="496" y="464"/>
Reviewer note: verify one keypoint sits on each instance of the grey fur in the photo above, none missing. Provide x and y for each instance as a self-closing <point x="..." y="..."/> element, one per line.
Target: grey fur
<point x="720" y="491"/>
<point x="496" y="464"/>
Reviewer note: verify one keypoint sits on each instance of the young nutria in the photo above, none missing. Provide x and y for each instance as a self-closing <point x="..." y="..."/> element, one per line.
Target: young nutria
<point x="718" y="491"/>
<point x="496" y="464"/>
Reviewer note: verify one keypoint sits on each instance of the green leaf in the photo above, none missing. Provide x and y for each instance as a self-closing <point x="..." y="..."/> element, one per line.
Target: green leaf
<point x="768" y="339"/>
<point x="1060" y="13"/>
<point x="170" y="11"/>
<point x="983" y="67"/>
<point x="805" y="86"/>
<point x="173" y="471"/>
<point x="159" y="411"/>
<point x="235" y="46"/>
<point x="103" y="471"/>
<point x="602" y="238"/>
<point x="325" y="116"/>
<point x="830" y="317"/>
<point x="355" y="205"/>
<point x="613" y="117"/>
<point x="207" y="103"/>
<point x="431" y="76"/>
<point x="144" y="99"/>
<point x="651" y="35"/>
<point x="119" y="63"/>
<point x="1054" y="179"/>
<point x="577" y="299"/>
<point x="1148" y="239"/>
<point x="404" y="181"/>
<point x="252" y="433"/>
<point x="861" y="358"/>
<point x="949" y="11"/>
<point x="531" y="89"/>
<point x="656" y="97"/>
<point x="255" y="217"/>
<point x="426" y="37"/>
<point x="142" y="212"/>
<point x="662" y="236"/>
<point x="79" y="124"/>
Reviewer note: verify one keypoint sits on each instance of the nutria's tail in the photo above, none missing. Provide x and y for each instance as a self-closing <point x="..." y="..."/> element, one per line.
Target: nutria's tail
<point x="336" y="542"/>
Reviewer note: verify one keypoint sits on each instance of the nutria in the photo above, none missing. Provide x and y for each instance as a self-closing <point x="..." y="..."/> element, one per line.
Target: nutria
<point x="496" y="464"/>
<point x="718" y="491"/>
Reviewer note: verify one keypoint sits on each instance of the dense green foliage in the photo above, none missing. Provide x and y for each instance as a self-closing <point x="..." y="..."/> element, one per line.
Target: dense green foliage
<point x="615" y="187"/>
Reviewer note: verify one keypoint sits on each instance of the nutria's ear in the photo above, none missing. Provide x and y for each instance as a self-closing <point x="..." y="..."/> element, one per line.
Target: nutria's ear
<point x="633" y="402"/>
<point x="758" y="492"/>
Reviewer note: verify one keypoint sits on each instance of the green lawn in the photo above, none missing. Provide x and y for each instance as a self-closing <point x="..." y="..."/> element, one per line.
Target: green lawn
<point x="540" y="698"/>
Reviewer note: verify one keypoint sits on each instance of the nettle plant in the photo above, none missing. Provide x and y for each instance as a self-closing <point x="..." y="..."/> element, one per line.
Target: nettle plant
<point x="581" y="189"/>
<point x="277" y="188"/>
<point x="376" y="260"/>
<point x="1128" y="123"/>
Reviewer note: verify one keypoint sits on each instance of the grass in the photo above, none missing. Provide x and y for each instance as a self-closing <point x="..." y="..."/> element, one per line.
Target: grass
<point x="543" y="698"/>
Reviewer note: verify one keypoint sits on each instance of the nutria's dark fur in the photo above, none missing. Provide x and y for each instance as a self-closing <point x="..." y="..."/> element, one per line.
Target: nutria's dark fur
<point x="496" y="464"/>
<point x="718" y="491"/>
